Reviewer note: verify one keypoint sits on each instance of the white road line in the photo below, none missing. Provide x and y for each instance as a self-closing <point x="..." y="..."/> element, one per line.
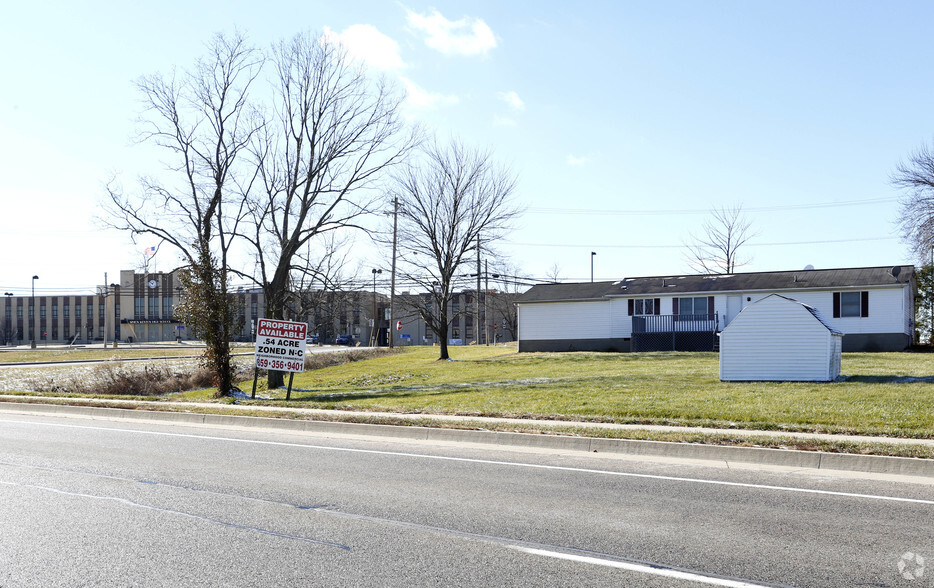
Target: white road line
<point x="643" y="568"/>
<point x="487" y="462"/>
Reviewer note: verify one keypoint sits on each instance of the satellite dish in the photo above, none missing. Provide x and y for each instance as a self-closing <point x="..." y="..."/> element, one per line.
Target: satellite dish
<point x="808" y="267"/>
<point x="895" y="271"/>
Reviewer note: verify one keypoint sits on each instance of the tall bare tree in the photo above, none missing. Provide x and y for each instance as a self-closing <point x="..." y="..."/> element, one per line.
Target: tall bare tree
<point x="916" y="215"/>
<point x="334" y="132"/>
<point x="202" y="120"/>
<point x="716" y="249"/>
<point x="453" y="200"/>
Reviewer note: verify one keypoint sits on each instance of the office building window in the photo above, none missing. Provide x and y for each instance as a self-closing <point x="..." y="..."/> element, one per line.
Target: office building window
<point x="66" y="312"/>
<point x="138" y="309"/>
<point x="54" y="312"/>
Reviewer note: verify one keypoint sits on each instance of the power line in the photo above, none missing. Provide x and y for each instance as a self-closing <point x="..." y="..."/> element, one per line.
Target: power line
<point x="688" y="211"/>
<point x="682" y="246"/>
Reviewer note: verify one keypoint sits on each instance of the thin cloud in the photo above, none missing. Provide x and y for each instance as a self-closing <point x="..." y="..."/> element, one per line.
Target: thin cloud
<point x="512" y="99"/>
<point x="573" y="160"/>
<point x="419" y="98"/>
<point x="366" y="43"/>
<point x="503" y="121"/>
<point x="467" y="36"/>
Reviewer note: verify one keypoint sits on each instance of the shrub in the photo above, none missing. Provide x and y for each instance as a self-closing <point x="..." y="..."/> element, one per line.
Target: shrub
<point x="127" y="380"/>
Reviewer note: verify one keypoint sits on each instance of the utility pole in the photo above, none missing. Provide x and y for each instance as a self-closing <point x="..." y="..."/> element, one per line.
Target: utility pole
<point x="476" y="329"/>
<point x="486" y="302"/>
<point x="106" y="309"/>
<point x="392" y="286"/>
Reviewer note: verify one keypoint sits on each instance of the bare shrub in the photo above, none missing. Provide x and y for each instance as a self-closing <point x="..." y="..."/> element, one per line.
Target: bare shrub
<point x="125" y="380"/>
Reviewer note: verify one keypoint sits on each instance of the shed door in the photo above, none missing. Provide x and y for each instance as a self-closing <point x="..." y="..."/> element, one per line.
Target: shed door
<point x="734" y="304"/>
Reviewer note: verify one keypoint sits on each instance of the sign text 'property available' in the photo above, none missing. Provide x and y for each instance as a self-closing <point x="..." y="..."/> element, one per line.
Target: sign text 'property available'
<point x="280" y="345"/>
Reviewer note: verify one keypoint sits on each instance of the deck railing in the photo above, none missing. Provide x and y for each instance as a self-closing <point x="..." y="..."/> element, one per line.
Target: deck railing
<point x="674" y="332"/>
<point x="679" y="323"/>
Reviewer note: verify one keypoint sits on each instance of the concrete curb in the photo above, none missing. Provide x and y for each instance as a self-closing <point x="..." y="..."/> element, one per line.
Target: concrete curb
<point x="904" y="466"/>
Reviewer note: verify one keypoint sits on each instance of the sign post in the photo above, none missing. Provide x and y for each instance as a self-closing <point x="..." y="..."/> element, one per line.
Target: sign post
<point x="280" y="345"/>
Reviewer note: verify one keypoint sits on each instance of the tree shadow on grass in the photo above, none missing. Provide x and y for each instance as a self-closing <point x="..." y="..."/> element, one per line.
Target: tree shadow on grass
<point x="306" y="395"/>
<point x="889" y="379"/>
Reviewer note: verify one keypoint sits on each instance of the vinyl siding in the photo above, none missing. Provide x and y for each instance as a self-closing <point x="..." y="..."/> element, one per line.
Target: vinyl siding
<point x="564" y="320"/>
<point x="778" y="339"/>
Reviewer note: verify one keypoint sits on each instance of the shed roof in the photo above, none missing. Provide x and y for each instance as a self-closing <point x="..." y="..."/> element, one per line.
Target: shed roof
<point x="739" y="282"/>
<point x="813" y="311"/>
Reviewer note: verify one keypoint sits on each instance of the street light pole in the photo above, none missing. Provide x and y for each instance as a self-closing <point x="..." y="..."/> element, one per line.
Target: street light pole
<point x="392" y="285"/>
<point x="592" y="254"/>
<point x="32" y="318"/>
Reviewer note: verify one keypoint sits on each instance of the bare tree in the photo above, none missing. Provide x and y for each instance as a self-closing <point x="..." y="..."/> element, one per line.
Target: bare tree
<point x="716" y="250"/>
<point x="202" y="120"/>
<point x="322" y="287"/>
<point x="554" y="273"/>
<point x="916" y="216"/>
<point x="335" y="131"/>
<point x="451" y="202"/>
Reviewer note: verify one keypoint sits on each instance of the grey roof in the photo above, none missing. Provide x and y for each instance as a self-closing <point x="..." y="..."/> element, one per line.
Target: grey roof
<point x="741" y="282"/>
<point x="559" y="292"/>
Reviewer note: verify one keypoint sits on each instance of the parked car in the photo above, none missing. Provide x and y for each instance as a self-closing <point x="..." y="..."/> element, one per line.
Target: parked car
<point x="343" y="340"/>
<point x="313" y="340"/>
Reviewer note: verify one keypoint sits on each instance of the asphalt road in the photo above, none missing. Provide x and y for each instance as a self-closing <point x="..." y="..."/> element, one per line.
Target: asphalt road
<point x="113" y="503"/>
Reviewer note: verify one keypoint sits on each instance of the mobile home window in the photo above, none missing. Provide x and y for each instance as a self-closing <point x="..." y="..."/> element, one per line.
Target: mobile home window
<point x="644" y="306"/>
<point x="850" y="304"/>
<point x="694" y="306"/>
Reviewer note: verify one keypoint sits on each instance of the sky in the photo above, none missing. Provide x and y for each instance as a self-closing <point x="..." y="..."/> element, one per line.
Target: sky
<point x="624" y="122"/>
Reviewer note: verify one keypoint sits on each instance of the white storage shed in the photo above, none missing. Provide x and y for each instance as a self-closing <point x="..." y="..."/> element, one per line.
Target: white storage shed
<point x="780" y="339"/>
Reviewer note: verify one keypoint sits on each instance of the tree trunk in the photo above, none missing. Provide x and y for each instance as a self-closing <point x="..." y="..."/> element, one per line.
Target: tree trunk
<point x="275" y="309"/>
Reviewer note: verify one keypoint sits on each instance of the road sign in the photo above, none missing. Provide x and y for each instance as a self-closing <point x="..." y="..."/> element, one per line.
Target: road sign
<point x="280" y="345"/>
<point x="398" y="325"/>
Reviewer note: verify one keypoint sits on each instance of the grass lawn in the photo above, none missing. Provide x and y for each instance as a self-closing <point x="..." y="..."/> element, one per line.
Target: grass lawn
<point x="888" y="394"/>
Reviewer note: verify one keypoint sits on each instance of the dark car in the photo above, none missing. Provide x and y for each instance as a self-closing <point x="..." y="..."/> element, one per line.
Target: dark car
<point x="313" y="340"/>
<point x="343" y="340"/>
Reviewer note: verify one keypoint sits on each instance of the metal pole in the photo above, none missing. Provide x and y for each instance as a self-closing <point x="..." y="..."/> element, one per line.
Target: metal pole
<point x="486" y="302"/>
<point x="592" y="253"/>
<point x="32" y="319"/>
<point x="106" y="309"/>
<point x="476" y="329"/>
<point x="392" y="285"/>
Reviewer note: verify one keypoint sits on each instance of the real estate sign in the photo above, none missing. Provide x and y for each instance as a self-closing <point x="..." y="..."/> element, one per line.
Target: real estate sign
<point x="280" y="345"/>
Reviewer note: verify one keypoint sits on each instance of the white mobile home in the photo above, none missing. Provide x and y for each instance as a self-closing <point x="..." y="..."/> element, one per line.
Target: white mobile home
<point x="873" y="307"/>
<point x="780" y="339"/>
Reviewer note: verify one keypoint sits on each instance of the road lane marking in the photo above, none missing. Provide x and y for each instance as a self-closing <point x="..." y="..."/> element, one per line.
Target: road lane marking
<point x="644" y="568"/>
<point x="488" y="462"/>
